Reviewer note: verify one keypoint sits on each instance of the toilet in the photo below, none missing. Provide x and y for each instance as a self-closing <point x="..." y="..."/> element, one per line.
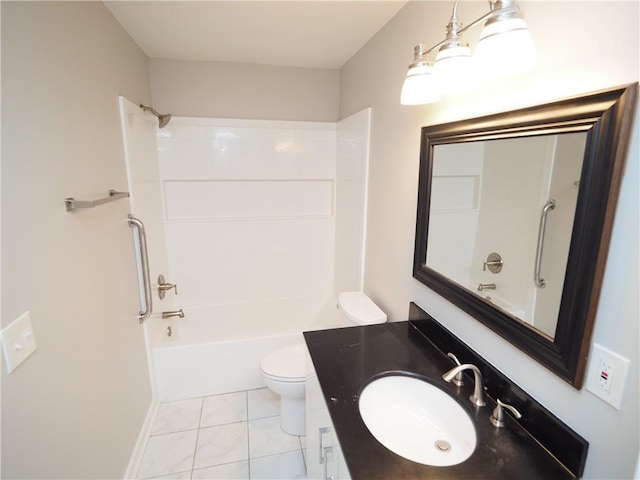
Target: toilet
<point x="285" y="370"/>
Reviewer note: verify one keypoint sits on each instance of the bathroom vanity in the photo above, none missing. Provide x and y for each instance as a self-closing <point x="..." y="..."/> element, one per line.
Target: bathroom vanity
<point x="339" y="444"/>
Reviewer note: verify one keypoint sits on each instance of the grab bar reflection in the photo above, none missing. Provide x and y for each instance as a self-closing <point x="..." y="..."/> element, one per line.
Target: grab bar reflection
<point x="538" y="280"/>
<point x="144" y="262"/>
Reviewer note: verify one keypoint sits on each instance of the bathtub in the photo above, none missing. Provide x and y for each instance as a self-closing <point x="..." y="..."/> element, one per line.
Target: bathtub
<point x="211" y="351"/>
<point x="507" y="306"/>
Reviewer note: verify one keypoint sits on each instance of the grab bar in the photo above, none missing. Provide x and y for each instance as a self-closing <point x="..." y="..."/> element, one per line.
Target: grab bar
<point x="537" y="279"/>
<point x="73" y="204"/>
<point x="144" y="261"/>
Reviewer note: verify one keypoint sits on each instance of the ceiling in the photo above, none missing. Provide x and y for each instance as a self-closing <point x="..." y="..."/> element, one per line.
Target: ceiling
<point x="311" y="34"/>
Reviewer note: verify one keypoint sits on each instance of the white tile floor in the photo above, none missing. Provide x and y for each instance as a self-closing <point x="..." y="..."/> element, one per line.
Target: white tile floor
<point x="230" y="436"/>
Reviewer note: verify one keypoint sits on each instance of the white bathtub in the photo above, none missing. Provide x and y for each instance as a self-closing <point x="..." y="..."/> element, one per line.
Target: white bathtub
<point x="507" y="306"/>
<point x="211" y="351"/>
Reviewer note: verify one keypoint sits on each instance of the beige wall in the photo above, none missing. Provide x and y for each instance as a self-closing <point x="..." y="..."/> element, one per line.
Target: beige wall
<point x="237" y="90"/>
<point x="582" y="46"/>
<point x="75" y="408"/>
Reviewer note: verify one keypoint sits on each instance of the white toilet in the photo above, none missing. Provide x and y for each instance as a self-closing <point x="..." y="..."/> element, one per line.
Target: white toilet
<point x="284" y="371"/>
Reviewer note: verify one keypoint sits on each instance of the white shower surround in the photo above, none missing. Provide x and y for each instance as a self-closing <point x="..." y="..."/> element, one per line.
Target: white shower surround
<point x="227" y="223"/>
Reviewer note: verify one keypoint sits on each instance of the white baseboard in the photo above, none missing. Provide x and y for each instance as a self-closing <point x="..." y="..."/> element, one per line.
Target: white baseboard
<point x="141" y="443"/>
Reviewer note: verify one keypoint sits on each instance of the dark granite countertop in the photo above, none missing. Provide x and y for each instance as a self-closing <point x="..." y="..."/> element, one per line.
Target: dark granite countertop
<point x="346" y="358"/>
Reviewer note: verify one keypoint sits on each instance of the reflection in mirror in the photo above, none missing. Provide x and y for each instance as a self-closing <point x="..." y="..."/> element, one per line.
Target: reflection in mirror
<point x="489" y="196"/>
<point x="514" y="219"/>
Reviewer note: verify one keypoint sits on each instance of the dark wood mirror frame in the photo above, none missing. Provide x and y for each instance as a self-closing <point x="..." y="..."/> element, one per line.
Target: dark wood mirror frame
<point x="607" y="118"/>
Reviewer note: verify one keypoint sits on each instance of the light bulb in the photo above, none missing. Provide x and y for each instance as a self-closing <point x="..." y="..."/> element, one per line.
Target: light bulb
<point x="454" y="68"/>
<point x="505" y="47"/>
<point x="420" y="86"/>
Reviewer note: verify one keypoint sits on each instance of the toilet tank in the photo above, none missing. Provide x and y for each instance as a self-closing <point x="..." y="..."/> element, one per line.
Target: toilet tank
<point x="360" y="309"/>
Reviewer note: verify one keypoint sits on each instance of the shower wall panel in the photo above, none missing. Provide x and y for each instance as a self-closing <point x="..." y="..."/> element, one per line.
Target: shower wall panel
<point x="139" y="131"/>
<point x="352" y="165"/>
<point x="249" y="209"/>
<point x="454" y="210"/>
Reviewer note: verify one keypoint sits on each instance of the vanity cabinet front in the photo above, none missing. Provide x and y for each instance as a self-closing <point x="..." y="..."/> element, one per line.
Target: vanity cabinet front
<point x="324" y="457"/>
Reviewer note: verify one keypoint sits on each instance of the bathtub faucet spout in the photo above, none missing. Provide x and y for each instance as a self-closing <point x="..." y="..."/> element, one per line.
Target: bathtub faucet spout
<point x="486" y="286"/>
<point x="173" y="313"/>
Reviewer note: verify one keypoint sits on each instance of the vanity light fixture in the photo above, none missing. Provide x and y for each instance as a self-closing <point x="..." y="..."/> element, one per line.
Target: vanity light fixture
<point x="505" y="47"/>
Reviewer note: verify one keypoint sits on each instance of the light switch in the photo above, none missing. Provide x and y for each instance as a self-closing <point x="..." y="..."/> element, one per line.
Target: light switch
<point x="18" y="341"/>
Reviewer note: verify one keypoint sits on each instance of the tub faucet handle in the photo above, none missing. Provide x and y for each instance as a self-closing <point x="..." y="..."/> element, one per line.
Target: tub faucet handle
<point x="164" y="286"/>
<point x="493" y="263"/>
<point x="497" y="418"/>
<point x="458" y="380"/>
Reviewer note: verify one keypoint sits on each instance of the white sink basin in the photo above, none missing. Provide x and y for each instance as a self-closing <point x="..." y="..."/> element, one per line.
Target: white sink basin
<point x="417" y="420"/>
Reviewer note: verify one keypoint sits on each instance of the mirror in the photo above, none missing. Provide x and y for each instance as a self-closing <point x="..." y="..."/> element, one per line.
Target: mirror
<point x="514" y="218"/>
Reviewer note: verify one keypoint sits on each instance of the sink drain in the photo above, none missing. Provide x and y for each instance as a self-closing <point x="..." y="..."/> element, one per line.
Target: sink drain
<point x="443" y="445"/>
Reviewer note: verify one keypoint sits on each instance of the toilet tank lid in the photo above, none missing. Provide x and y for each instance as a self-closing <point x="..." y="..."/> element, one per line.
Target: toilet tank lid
<point x="360" y="309"/>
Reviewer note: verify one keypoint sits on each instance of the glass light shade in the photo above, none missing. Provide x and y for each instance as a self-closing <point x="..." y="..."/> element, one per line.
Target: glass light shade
<point x="505" y="47"/>
<point x="420" y="86"/>
<point x="454" y="69"/>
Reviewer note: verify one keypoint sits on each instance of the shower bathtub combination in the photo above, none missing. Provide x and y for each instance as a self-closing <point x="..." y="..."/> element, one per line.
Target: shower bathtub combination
<point x="259" y="222"/>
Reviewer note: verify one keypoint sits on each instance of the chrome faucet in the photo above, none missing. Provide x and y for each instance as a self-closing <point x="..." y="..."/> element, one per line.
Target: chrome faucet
<point x="173" y="313"/>
<point x="486" y="286"/>
<point x="163" y="287"/>
<point x="478" y="393"/>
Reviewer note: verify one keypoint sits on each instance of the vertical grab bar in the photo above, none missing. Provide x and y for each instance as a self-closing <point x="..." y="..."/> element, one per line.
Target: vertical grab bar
<point x="144" y="260"/>
<point x="537" y="279"/>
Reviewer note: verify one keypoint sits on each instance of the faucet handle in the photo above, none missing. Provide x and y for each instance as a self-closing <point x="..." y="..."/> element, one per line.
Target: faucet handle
<point x="497" y="418"/>
<point x="458" y="380"/>
<point x="163" y="286"/>
<point x="493" y="263"/>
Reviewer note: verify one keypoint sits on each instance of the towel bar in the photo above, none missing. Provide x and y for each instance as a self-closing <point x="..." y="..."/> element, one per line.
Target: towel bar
<point x="73" y="204"/>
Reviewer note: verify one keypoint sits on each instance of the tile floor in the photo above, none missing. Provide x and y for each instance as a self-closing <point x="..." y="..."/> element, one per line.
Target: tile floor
<point x="229" y="436"/>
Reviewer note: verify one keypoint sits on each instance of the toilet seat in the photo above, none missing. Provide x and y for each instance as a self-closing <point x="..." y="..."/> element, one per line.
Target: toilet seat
<point x="276" y="378"/>
<point x="286" y="364"/>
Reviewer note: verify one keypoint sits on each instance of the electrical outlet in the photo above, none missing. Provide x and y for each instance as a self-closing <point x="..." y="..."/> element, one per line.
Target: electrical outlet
<point x="607" y="375"/>
<point x="18" y="341"/>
